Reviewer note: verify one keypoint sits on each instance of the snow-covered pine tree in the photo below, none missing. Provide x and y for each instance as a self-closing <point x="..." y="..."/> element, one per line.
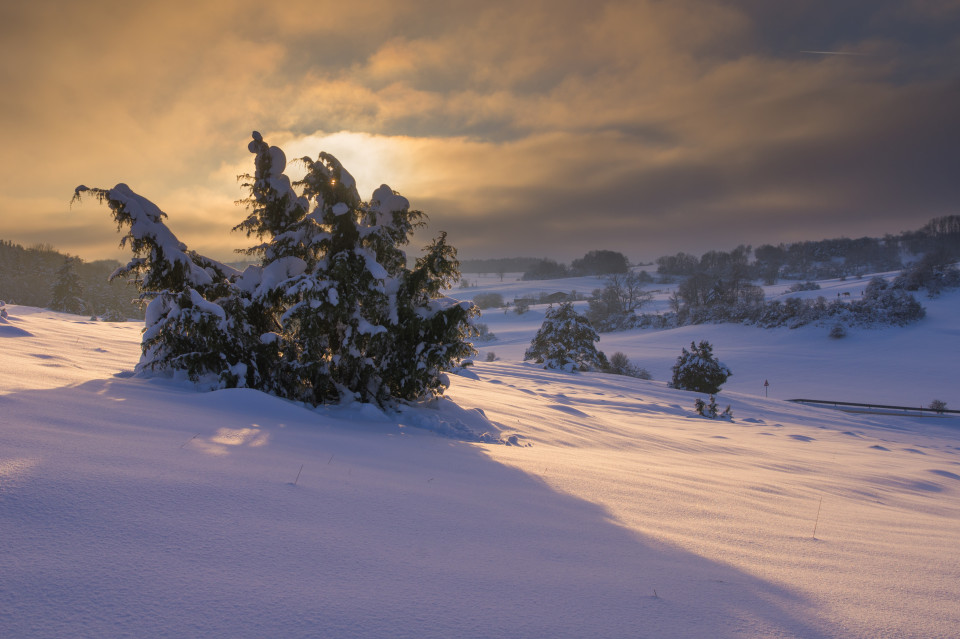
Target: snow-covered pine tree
<point x="368" y="327"/>
<point x="66" y="295"/>
<point x="565" y="341"/>
<point x="278" y="217"/>
<point x="698" y="370"/>
<point x="432" y="330"/>
<point x="331" y="313"/>
<point x="186" y="327"/>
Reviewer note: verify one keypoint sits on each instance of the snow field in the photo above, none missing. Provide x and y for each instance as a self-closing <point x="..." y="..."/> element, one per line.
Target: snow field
<point x="910" y="365"/>
<point x="747" y="495"/>
<point x="135" y="507"/>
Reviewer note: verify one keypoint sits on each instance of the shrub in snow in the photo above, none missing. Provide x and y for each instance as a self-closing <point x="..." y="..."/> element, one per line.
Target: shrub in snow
<point x="491" y="356"/>
<point x="698" y="302"/>
<point x="331" y="312"/>
<point x="3" y="310"/>
<point x="935" y="271"/>
<point x="521" y="305"/>
<point x="884" y="304"/>
<point x="838" y="331"/>
<point x="482" y="333"/>
<point x="488" y="300"/>
<point x="565" y="341"/>
<point x="698" y="370"/>
<point x="112" y="315"/>
<point x="938" y="406"/>
<point x="711" y="410"/>
<point x="620" y="364"/>
<point x="804" y="286"/>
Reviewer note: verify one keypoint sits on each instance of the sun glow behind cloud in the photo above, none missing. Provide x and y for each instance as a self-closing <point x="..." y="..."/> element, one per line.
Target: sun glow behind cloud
<point x="508" y="125"/>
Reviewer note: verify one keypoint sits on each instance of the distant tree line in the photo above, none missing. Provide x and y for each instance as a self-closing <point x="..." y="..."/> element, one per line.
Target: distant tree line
<point x="939" y="239"/>
<point x="882" y="304"/>
<point x="824" y="259"/>
<point x="601" y="262"/>
<point x="44" y="277"/>
<point x="719" y="286"/>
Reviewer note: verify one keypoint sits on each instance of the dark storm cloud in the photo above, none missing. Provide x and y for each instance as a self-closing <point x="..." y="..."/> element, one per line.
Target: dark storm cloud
<point x="539" y="127"/>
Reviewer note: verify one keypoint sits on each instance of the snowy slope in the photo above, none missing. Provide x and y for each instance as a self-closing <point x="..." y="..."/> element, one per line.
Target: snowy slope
<point x="132" y="507"/>
<point x="909" y="365"/>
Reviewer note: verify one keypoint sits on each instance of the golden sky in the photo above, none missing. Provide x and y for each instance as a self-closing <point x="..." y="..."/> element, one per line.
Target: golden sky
<point x="521" y="128"/>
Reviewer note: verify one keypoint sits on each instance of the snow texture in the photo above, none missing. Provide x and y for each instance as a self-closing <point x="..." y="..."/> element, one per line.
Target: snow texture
<point x="140" y="507"/>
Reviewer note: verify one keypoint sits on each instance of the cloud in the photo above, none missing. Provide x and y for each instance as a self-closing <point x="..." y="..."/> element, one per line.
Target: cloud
<point x="540" y="126"/>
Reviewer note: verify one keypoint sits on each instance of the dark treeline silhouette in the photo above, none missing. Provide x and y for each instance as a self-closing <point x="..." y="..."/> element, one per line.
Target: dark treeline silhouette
<point x="600" y="262"/>
<point x="939" y="239"/>
<point x="42" y="276"/>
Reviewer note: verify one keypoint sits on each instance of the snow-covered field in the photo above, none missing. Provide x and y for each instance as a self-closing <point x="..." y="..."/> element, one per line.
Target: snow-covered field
<point x="908" y="366"/>
<point x="143" y="508"/>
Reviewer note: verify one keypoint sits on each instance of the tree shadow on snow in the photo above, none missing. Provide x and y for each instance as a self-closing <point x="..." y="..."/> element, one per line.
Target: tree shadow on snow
<point x="154" y="510"/>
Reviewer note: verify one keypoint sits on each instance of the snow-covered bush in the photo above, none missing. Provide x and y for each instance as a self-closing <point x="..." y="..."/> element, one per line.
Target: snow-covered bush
<point x="698" y="370"/>
<point x="565" y="341"/>
<point x="699" y="302"/>
<point x="804" y="286"/>
<point x="838" y="331"/>
<point x="620" y="364"/>
<point x="331" y="312"/>
<point x="711" y="410"/>
<point x="482" y="333"/>
<point x="488" y="300"/>
<point x="112" y="315"/>
<point x="938" y="406"/>
<point x="935" y="271"/>
<point x="884" y="304"/>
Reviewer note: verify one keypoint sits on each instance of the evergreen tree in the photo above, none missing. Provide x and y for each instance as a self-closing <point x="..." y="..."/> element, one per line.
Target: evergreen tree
<point x="698" y="370"/>
<point x="67" y="292"/>
<point x="331" y="312"/>
<point x="565" y="341"/>
<point x="186" y="325"/>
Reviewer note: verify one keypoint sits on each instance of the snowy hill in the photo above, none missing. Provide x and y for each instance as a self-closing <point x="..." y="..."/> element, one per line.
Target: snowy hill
<point x="909" y="365"/>
<point x="133" y="507"/>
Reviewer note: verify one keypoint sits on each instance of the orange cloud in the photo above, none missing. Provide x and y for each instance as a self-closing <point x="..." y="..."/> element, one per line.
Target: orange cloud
<point x="648" y="114"/>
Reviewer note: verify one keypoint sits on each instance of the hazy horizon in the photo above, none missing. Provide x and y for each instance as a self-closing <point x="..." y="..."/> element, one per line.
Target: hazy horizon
<point x="413" y="251"/>
<point x="541" y="129"/>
